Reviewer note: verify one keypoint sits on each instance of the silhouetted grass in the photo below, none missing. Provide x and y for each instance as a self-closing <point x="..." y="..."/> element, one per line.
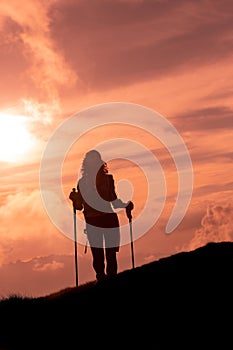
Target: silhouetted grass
<point x="180" y="301"/>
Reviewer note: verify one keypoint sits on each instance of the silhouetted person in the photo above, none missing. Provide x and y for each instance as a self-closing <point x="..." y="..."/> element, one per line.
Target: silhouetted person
<point x="97" y="198"/>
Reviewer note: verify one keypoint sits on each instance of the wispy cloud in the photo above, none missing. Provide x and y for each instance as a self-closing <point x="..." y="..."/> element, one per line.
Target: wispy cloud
<point x="209" y="118"/>
<point x="48" y="68"/>
<point x="52" y="265"/>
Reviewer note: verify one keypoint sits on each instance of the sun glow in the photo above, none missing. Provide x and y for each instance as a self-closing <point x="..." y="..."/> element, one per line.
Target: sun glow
<point x="15" y="139"/>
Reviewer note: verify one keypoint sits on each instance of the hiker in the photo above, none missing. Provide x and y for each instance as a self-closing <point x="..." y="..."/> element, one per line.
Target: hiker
<point x="97" y="199"/>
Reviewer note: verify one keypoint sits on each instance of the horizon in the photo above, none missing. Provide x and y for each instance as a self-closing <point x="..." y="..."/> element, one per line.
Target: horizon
<point x="99" y="63"/>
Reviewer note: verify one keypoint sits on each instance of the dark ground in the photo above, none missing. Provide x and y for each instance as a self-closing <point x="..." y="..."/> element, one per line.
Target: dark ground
<point x="182" y="301"/>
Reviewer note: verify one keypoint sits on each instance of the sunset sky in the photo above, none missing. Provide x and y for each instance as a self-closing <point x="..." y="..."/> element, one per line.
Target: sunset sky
<point x="64" y="60"/>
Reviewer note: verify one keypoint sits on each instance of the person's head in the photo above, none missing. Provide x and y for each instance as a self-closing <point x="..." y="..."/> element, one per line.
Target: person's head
<point x="93" y="163"/>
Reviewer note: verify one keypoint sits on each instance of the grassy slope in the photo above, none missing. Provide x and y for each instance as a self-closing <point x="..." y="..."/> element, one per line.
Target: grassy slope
<point x="180" y="301"/>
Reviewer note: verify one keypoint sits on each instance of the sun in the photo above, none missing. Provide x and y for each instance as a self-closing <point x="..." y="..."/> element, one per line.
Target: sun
<point x="15" y="139"/>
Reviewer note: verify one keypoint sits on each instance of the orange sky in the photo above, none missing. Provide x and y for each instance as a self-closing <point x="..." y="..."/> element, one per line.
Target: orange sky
<point x="61" y="58"/>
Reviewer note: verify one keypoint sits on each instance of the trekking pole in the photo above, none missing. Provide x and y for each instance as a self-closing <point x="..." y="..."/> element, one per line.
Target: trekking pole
<point x="129" y="215"/>
<point x="131" y="241"/>
<point x="75" y="244"/>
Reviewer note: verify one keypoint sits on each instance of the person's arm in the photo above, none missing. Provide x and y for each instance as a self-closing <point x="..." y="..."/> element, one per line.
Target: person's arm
<point x="117" y="202"/>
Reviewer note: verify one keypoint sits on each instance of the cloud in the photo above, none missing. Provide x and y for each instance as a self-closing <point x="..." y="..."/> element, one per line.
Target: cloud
<point x="144" y="40"/>
<point x="216" y="226"/>
<point x="44" y="275"/>
<point x="30" y="22"/>
<point x="26" y="230"/>
<point x="38" y="276"/>
<point x="208" y="134"/>
<point x="213" y="188"/>
<point x="52" y="265"/>
<point x="210" y="118"/>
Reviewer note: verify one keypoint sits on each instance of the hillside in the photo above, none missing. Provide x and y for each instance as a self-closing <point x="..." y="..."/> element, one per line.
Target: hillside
<point x="180" y="301"/>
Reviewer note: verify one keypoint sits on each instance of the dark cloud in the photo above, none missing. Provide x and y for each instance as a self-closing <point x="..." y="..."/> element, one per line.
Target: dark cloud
<point x="218" y="94"/>
<point x="118" y="43"/>
<point x="97" y="14"/>
<point x="209" y="156"/>
<point x="206" y="119"/>
<point x="213" y="188"/>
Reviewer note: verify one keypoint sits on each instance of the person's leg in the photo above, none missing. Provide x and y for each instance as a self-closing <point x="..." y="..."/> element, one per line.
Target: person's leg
<point x="95" y="238"/>
<point x="98" y="262"/>
<point x="111" y="261"/>
<point x="112" y="242"/>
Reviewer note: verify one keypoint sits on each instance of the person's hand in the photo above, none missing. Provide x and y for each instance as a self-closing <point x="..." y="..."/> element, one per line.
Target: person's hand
<point x="76" y="199"/>
<point x="128" y="209"/>
<point x="72" y="195"/>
